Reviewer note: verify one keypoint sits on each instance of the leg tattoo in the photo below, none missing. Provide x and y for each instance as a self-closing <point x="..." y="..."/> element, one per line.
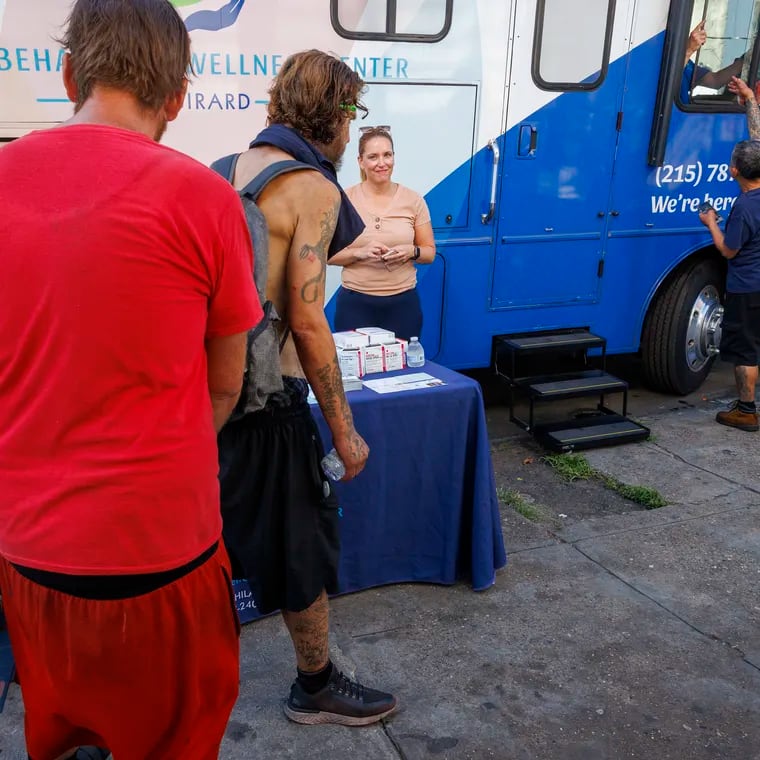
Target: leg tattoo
<point x="309" y="632"/>
<point x="746" y="378"/>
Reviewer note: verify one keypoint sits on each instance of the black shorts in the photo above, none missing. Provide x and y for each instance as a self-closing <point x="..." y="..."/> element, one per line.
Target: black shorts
<point x="740" y="337"/>
<point x="280" y="519"/>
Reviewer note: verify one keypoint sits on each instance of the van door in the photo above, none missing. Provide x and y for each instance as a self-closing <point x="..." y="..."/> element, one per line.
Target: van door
<point x="568" y="72"/>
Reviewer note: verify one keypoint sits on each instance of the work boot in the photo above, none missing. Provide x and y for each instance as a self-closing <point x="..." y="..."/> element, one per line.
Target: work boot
<point x="342" y="701"/>
<point x="735" y="417"/>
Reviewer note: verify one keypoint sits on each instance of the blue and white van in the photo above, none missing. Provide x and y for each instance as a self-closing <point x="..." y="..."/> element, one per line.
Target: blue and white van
<point x="563" y="147"/>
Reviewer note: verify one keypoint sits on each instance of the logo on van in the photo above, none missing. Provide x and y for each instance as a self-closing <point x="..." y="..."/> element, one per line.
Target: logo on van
<point x="211" y="21"/>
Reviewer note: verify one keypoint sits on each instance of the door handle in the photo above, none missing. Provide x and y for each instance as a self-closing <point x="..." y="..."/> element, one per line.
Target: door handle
<point x="527" y="140"/>
<point x="485" y="218"/>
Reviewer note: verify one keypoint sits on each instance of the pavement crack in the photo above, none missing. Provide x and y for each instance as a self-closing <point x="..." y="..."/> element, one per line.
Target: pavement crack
<point x="392" y="739"/>
<point x="672" y="613"/>
<point x="654" y="526"/>
<point x="524" y="549"/>
<point x="377" y="633"/>
<point x="685" y="461"/>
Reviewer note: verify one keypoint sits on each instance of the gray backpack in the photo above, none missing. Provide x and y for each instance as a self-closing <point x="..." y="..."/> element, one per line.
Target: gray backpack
<point x="263" y="376"/>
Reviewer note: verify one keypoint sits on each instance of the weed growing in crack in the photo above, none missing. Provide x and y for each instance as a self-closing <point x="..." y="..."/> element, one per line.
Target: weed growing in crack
<point x="529" y="510"/>
<point x="649" y="498"/>
<point x="572" y="467"/>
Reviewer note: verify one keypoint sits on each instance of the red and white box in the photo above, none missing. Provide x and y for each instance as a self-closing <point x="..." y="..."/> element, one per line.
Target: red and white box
<point x="350" y="339"/>
<point x="351" y="362"/>
<point x="393" y="356"/>
<point x="373" y="359"/>
<point x="403" y="343"/>
<point x="377" y="335"/>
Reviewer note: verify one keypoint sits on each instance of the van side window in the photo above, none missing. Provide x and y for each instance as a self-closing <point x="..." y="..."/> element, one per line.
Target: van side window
<point x="730" y="27"/>
<point x="571" y="48"/>
<point x="390" y="20"/>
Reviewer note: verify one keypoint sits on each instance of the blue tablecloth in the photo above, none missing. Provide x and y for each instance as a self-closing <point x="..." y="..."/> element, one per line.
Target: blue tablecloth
<point x="425" y="507"/>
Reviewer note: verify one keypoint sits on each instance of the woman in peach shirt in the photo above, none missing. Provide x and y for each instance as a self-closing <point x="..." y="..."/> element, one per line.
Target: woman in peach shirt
<point x="379" y="276"/>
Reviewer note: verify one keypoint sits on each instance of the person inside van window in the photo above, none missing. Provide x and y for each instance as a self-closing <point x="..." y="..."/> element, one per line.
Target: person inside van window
<point x="704" y="76"/>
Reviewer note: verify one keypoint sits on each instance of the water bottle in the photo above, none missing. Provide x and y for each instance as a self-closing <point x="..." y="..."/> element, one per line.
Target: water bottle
<point x="333" y="466"/>
<point x="415" y="354"/>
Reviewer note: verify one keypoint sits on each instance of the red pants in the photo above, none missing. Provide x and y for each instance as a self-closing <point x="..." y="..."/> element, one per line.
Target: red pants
<point x="154" y="677"/>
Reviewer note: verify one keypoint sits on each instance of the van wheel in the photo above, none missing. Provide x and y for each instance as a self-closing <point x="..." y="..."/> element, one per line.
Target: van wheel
<point x="682" y="329"/>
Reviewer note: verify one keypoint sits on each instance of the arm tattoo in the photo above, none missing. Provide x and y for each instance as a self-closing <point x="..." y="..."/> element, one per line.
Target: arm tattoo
<point x="330" y="380"/>
<point x="333" y="402"/>
<point x="753" y="118"/>
<point x="312" y="288"/>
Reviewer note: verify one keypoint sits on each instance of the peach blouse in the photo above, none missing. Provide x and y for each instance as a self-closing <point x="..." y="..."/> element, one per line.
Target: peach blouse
<point x="393" y="226"/>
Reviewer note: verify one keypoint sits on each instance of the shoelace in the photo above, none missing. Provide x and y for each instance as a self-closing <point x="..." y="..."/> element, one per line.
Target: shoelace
<point x="344" y="685"/>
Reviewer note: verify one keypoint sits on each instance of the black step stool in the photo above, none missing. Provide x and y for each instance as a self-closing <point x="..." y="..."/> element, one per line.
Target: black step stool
<point x="603" y="427"/>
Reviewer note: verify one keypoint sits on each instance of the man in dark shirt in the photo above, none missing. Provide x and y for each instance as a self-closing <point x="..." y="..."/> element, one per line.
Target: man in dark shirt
<point x="740" y="341"/>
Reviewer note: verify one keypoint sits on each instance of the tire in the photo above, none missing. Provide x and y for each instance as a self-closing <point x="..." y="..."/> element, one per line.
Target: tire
<point x="682" y="329"/>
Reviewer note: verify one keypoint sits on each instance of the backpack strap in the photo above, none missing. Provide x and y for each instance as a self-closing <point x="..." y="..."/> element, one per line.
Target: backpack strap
<point x="254" y="188"/>
<point x="226" y="166"/>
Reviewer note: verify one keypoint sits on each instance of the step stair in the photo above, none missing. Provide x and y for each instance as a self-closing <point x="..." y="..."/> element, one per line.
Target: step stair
<point x="580" y="430"/>
<point x="572" y="384"/>
<point x="571" y="340"/>
<point x="589" y="433"/>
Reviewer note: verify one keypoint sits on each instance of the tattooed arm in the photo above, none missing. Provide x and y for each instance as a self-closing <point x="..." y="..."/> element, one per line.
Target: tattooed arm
<point x="307" y="262"/>
<point x="744" y="91"/>
<point x="753" y="118"/>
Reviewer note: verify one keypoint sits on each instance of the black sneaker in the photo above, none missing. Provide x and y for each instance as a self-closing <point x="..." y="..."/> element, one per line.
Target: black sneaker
<point x="342" y="701"/>
<point x="91" y="753"/>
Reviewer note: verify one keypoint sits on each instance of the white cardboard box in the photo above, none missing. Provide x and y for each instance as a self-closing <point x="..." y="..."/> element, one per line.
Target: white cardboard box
<point x="352" y="383"/>
<point x="377" y="335"/>
<point x="350" y="339"/>
<point x="351" y="362"/>
<point x="372" y="359"/>
<point x="393" y="356"/>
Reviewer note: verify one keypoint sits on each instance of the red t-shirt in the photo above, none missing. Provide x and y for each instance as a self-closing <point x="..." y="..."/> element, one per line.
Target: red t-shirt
<point x="118" y="257"/>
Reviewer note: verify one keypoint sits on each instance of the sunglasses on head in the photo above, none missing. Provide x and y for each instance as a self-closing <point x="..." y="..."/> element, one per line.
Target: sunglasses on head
<point x="378" y="128"/>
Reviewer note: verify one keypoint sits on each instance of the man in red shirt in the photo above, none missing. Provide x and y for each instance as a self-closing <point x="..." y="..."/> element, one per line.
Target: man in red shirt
<point x="127" y="293"/>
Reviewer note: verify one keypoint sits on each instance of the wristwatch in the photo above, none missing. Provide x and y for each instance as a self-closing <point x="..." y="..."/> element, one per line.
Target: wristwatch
<point x="416" y="253"/>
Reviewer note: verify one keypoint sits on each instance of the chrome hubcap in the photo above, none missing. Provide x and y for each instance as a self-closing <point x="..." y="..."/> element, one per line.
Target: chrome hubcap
<point x="703" y="333"/>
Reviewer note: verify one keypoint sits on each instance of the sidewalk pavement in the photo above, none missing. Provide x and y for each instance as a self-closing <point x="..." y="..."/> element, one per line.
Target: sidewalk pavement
<point x="624" y="636"/>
